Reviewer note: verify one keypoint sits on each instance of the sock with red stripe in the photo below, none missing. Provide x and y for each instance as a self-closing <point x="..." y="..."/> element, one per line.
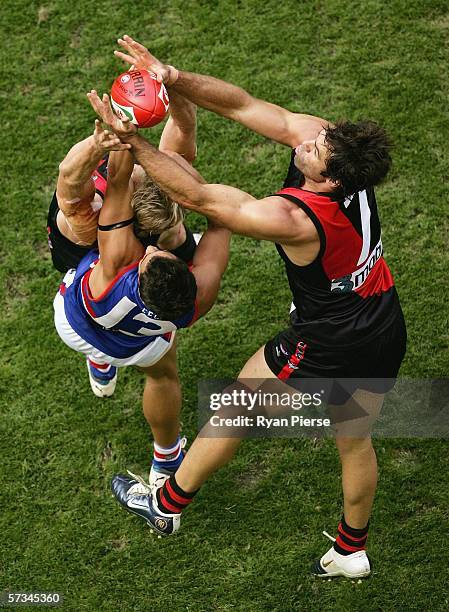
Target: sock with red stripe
<point x="168" y="458"/>
<point x="171" y="499"/>
<point x="102" y="371"/>
<point x="350" y="540"/>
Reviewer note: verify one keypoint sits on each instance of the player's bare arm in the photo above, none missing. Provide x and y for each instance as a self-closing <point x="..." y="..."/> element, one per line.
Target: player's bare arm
<point x="179" y="135"/>
<point x="179" y="140"/>
<point x="76" y="168"/>
<point x="272" y="218"/>
<point x="117" y="243"/>
<point x="75" y="188"/>
<point x="209" y="264"/>
<point x="225" y="99"/>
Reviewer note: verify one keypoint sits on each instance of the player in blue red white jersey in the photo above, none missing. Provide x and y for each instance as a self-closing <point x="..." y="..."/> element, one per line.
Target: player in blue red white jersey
<point x="75" y="206"/>
<point x="148" y="344"/>
<point x="347" y="320"/>
<point x="123" y="305"/>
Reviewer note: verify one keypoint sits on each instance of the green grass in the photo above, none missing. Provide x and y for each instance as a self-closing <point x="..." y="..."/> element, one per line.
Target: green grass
<point x="247" y="541"/>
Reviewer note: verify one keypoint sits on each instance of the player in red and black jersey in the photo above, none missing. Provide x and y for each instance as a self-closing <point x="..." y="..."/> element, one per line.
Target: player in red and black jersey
<point x="346" y="318"/>
<point x="344" y="302"/>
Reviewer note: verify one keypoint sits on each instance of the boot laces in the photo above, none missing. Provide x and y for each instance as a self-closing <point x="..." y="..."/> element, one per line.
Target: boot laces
<point x="331" y="538"/>
<point x="140" y="488"/>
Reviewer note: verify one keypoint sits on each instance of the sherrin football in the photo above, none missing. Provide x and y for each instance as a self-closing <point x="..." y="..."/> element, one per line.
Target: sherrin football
<point x="136" y="94"/>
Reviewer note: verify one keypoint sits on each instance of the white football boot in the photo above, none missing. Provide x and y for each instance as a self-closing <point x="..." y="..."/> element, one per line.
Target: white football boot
<point x="102" y="386"/>
<point x="332" y="564"/>
<point x="158" y="476"/>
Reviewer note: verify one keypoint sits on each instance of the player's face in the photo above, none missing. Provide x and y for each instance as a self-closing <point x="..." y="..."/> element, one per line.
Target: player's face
<point x="151" y="252"/>
<point x="311" y="156"/>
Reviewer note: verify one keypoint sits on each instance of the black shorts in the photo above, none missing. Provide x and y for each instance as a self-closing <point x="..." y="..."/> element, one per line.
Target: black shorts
<point x="374" y="364"/>
<point x="66" y="254"/>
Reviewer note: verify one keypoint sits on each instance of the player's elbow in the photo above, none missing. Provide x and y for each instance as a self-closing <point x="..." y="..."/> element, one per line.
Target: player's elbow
<point x="65" y="172"/>
<point x="206" y="301"/>
<point x="189" y="156"/>
<point x="194" y="198"/>
<point x="244" y="105"/>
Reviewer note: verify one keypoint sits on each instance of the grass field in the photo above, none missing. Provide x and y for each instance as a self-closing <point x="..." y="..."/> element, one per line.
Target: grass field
<point x="243" y="545"/>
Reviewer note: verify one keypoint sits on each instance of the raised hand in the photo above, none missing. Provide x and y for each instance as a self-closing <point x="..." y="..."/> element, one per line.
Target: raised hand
<point x="138" y="56"/>
<point x="123" y="128"/>
<point x="106" y="141"/>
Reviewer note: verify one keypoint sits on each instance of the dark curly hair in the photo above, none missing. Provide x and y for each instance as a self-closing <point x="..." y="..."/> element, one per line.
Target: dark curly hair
<point x="359" y="155"/>
<point x="168" y="288"/>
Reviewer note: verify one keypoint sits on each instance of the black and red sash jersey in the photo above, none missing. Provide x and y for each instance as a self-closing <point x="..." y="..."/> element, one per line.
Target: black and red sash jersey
<point x="346" y="295"/>
<point x="100" y="176"/>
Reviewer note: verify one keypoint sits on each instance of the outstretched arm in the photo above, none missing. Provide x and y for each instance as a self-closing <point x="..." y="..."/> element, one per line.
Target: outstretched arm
<point x="179" y="135"/>
<point x="226" y="99"/>
<point x="270" y="219"/>
<point x="74" y="180"/>
<point x="118" y="246"/>
<point x="75" y="188"/>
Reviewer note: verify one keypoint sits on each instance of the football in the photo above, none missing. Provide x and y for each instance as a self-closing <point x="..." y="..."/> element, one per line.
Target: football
<point x="137" y="95"/>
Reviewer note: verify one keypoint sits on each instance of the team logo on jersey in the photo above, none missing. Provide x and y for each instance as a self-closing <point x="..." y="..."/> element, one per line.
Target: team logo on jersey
<point x="343" y="284"/>
<point x="351" y="282"/>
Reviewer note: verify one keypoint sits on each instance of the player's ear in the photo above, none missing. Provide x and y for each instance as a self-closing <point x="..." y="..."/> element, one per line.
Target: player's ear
<point x="332" y="183"/>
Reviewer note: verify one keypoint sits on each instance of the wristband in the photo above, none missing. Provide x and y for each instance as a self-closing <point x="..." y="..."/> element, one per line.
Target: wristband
<point x="114" y="226"/>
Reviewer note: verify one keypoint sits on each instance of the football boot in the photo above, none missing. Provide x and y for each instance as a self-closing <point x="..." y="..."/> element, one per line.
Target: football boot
<point x="136" y="496"/>
<point x="102" y="383"/>
<point x="333" y="564"/>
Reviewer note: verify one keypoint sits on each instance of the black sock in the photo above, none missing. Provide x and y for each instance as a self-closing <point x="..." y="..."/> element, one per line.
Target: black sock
<point x="349" y="539"/>
<point x="171" y="499"/>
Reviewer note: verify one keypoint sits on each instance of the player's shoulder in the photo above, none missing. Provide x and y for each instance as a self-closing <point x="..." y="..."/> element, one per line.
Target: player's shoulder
<point x="296" y="217"/>
<point x="304" y="127"/>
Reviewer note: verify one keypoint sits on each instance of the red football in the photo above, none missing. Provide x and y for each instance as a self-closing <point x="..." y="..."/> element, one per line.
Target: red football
<point x="136" y="94"/>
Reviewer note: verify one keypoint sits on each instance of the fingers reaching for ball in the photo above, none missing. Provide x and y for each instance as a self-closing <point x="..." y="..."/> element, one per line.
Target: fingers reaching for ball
<point x="106" y="140"/>
<point x="136" y="54"/>
<point x="141" y="58"/>
<point x="122" y="128"/>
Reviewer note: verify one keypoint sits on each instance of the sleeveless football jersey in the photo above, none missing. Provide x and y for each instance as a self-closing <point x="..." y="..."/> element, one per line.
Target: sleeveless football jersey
<point x="65" y="254"/>
<point x="117" y="322"/>
<point x="100" y="177"/>
<point x="346" y="295"/>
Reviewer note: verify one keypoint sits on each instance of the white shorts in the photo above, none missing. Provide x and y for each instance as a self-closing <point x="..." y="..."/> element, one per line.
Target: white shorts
<point x="148" y="356"/>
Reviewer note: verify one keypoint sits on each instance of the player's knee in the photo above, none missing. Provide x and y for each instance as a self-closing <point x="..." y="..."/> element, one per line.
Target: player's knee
<point x="350" y="445"/>
<point x="162" y="373"/>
